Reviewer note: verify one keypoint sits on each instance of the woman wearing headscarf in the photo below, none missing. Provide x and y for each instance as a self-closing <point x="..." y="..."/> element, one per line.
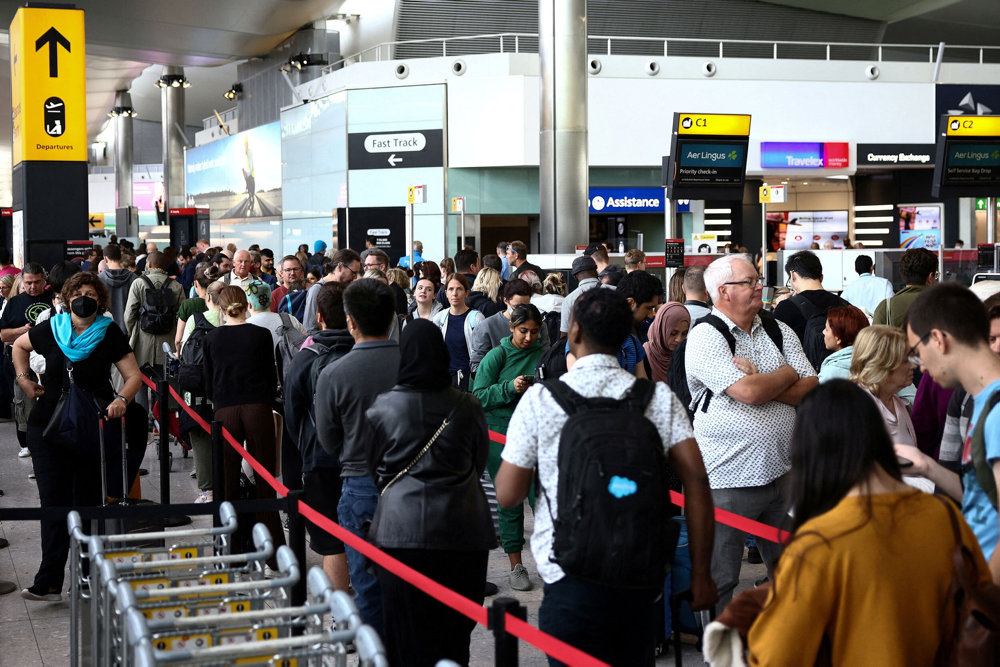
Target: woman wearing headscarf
<point x="85" y="341"/>
<point x="669" y="328"/>
<point x="431" y="448"/>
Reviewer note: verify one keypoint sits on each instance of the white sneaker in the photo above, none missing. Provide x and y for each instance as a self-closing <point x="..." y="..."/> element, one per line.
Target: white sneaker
<point x="24" y="453"/>
<point x="205" y="497"/>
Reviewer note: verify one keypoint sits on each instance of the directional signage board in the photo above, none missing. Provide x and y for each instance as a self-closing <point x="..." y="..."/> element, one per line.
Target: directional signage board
<point x="395" y="150"/>
<point x="708" y="156"/>
<point x="48" y="82"/>
<point x="968" y="157"/>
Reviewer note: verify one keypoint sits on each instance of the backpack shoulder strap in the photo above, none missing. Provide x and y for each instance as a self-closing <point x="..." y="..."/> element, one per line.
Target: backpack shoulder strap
<point x="149" y="283"/>
<point x="772" y="329"/>
<point x="805" y="306"/>
<point x="721" y="327"/>
<point x="982" y="468"/>
<point x="639" y="395"/>
<point x="166" y="283"/>
<point x="201" y="322"/>
<point x="570" y="401"/>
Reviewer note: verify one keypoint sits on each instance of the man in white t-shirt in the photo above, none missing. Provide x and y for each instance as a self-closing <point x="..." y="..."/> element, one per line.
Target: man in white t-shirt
<point x="611" y="623"/>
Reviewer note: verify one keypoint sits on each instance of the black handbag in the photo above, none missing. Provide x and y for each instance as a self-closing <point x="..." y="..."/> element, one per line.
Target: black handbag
<point x="75" y="420"/>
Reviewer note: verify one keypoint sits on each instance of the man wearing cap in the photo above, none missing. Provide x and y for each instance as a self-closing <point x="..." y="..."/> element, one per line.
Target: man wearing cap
<point x="318" y="257"/>
<point x="585" y="270"/>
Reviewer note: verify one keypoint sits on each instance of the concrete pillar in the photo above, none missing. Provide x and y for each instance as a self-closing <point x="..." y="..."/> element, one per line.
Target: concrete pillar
<point x="562" y="169"/>
<point x="172" y="106"/>
<point x="123" y="148"/>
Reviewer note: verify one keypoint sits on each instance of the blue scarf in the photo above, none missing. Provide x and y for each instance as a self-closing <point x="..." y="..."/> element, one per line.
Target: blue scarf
<point x="78" y="346"/>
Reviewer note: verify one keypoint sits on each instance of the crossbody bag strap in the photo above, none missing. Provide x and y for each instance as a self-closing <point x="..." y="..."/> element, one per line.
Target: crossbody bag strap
<point x="426" y="448"/>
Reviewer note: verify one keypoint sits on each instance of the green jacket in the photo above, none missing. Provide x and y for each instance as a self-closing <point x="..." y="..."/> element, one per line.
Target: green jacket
<point x="892" y="311"/>
<point x="494" y="385"/>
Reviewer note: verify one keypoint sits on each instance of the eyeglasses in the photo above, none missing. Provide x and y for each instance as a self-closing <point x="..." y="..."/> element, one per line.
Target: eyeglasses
<point x="912" y="355"/>
<point x="749" y="282"/>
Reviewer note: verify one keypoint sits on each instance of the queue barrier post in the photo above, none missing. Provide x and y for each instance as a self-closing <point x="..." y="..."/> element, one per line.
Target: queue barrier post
<point x="297" y="542"/>
<point x="505" y="644"/>
<point x="217" y="469"/>
<point x="163" y="398"/>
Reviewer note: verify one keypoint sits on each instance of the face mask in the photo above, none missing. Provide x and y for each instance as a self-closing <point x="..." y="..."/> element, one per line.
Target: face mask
<point x="83" y="306"/>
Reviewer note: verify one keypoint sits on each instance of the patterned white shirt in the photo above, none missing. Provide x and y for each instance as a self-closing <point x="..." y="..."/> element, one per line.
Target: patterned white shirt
<point x="533" y="437"/>
<point x="742" y="445"/>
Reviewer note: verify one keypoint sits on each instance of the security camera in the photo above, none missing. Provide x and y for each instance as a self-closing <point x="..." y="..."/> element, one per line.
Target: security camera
<point x="402" y="71"/>
<point x="709" y="68"/>
<point x="872" y="72"/>
<point x="458" y="67"/>
<point x="595" y="66"/>
<point x="652" y="68"/>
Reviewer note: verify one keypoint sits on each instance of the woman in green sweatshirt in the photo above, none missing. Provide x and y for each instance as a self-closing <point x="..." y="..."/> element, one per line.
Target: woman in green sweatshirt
<point x="503" y="376"/>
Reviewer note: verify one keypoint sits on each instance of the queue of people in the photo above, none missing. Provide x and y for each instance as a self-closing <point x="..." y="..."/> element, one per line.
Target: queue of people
<point x="378" y="401"/>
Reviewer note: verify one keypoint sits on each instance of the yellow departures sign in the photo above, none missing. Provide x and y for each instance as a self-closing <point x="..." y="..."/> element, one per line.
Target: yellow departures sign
<point x="48" y="85"/>
<point x="973" y="126"/>
<point x="714" y="124"/>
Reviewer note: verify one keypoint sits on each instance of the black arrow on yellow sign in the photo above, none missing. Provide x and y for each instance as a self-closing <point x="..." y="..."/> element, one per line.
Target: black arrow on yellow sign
<point x="53" y="38"/>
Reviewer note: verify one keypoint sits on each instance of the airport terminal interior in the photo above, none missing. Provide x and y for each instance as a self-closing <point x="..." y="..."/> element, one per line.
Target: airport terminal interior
<point x="815" y="145"/>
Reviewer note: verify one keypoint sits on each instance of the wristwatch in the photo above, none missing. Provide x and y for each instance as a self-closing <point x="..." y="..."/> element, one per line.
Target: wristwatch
<point x="119" y="397"/>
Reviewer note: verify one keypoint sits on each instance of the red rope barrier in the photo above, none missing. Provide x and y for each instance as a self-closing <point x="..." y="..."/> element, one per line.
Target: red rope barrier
<point x="532" y="635"/>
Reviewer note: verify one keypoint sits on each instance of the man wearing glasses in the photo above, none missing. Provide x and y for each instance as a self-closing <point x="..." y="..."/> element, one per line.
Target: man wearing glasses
<point x="344" y="268"/>
<point x="948" y="331"/>
<point x="744" y="398"/>
<point x="292" y="280"/>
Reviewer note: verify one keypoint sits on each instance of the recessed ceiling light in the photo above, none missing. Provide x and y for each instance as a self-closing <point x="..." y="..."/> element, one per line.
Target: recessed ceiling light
<point x="804" y="183"/>
<point x="784" y="182"/>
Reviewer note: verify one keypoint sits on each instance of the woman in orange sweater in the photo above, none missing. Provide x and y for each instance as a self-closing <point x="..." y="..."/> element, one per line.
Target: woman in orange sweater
<point x="864" y="579"/>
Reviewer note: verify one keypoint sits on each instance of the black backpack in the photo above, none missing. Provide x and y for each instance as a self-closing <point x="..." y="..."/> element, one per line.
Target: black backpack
<point x="812" y="336"/>
<point x="552" y="363"/>
<point x="294" y="303"/>
<point x="191" y="370"/>
<point x="551" y="321"/>
<point x="677" y="378"/>
<point x="612" y="525"/>
<point x="158" y="312"/>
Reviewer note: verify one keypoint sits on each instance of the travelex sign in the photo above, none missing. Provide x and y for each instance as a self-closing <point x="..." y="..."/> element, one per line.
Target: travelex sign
<point x="804" y="155"/>
<point x="625" y="200"/>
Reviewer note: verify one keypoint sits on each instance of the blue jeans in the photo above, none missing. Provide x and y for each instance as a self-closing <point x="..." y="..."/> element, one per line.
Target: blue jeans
<point x="355" y="511"/>
<point x="616" y="625"/>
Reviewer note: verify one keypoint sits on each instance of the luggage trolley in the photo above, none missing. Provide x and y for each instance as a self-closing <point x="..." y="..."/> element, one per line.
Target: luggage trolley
<point x="287" y="636"/>
<point x="188" y="587"/>
<point x="176" y="543"/>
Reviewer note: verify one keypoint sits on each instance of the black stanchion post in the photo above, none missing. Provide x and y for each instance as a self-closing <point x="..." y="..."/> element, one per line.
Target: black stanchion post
<point x="163" y="397"/>
<point x="505" y="644"/>
<point x="217" y="470"/>
<point x="297" y="543"/>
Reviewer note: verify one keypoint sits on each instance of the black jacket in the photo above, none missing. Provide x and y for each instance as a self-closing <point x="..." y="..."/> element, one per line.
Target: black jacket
<point x="439" y="503"/>
<point x="483" y="303"/>
<point x="300" y="387"/>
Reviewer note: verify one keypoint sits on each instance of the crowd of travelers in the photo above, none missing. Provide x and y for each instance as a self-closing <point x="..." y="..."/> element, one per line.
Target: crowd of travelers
<point x="397" y="397"/>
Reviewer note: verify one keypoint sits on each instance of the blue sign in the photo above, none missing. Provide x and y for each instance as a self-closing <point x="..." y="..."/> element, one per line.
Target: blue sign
<point x="626" y="200"/>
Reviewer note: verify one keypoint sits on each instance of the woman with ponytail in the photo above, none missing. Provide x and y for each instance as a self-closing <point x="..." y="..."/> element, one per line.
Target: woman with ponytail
<point x="242" y="383"/>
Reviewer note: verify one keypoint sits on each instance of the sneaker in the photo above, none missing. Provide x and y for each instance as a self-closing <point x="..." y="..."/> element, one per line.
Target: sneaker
<point x="753" y="556"/>
<point x="519" y="578"/>
<point x="7" y="587"/>
<point x="204" y="497"/>
<point x="194" y="474"/>
<point x="24" y="453"/>
<point x="37" y="595"/>
<point x="31" y="475"/>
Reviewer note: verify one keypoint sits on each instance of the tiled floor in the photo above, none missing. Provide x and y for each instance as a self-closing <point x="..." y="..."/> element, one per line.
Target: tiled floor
<point x="36" y="633"/>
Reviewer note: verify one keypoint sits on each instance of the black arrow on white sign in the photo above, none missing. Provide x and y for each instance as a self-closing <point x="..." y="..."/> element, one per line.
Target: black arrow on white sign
<point x="53" y="38"/>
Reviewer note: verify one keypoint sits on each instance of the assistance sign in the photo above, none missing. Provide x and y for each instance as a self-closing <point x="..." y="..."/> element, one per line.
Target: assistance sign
<point x="48" y="85"/>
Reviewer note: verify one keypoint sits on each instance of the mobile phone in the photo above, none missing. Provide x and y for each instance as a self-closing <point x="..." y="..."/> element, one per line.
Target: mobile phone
<point x="529" y="379"/>
<point x="903" y="462"/>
